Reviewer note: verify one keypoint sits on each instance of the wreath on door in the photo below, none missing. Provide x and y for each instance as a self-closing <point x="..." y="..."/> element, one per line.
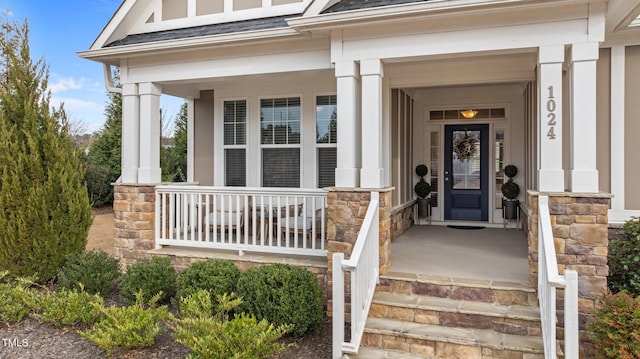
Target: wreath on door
<point x="465" y="146"/>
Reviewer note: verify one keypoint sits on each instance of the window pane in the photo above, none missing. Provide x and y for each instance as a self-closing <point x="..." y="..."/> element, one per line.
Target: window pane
<point x="435" y="153"/>
<point x="326" y="119"/>
<point x="280" y="121"/>
<point x="327" y="161"/>
<point x="281" y="167"/>
<point x="235" y="119"/>
<point x="235" y="167"/>
<point x="466" y="173"/>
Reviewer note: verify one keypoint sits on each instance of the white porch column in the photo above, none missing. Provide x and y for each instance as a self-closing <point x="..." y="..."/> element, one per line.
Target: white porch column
<point x="618" y="95"/>
<point x="371" y="174"/>
<point x="584" y="174"/>
<point x="149" y="171"/>
<point x="190" y="140"/>
<point x="348" y="147"/>
<point x="130" y="133"/>
<point x="550" y="172"/>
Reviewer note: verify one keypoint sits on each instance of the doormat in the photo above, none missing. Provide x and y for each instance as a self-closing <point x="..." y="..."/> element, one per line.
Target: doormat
<point x="466" y="227"/>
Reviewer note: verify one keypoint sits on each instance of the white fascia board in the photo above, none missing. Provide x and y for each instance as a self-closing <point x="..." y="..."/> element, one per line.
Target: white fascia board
<point x="356" y="17"/>
<point x="107" y="53"/>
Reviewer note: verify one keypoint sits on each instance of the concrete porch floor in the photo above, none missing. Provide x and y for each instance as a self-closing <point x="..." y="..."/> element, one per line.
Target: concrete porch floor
<point x="493" y="254"/>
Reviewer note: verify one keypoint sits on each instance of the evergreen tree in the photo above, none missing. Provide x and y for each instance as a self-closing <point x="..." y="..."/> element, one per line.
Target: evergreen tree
<point x="103" y="162"/>
<point x="174" y="159"/>
<point x="44" y="208"/>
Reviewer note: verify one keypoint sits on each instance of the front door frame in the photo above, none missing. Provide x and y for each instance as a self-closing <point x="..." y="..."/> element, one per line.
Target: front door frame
<point x="435" y="160"/>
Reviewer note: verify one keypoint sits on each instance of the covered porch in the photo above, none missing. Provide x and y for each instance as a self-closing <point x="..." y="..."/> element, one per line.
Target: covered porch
<point x="485" y="254"/>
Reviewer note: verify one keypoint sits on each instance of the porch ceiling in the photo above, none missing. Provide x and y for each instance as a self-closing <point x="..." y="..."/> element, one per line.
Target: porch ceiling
<point x="486" y="254"/>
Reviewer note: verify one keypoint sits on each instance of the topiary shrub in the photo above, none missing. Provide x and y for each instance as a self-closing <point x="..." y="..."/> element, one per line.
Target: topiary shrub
<point x="151" y="277"/>
<point x="624" y="259"/>
<point x="283" y="294"/>
<point x="422" y="188"/>
<point x="616" y="327"/>
<point x="94" y="272"/>
<point x="510" y="189"/>
<point x="216" y="276"/>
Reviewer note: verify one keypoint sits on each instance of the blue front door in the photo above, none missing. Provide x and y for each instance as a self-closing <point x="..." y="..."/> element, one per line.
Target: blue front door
<point x="466" y="172"/>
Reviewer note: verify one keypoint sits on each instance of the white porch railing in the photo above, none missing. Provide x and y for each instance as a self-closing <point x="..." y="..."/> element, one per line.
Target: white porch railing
<point x="548" y="281"/>
<point x="364" y="267"/>
<point x="267" y="220"/>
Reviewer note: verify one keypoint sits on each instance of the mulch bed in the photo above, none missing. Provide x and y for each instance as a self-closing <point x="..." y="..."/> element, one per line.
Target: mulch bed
<point x="32" y="339"/>
<point x="40" y="340"/>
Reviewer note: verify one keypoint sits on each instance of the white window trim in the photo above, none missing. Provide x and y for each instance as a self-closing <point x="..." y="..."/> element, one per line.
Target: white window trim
<point x="224" y="147"/>
<point x="315" y="137"/>
<point x="261" y="146"/>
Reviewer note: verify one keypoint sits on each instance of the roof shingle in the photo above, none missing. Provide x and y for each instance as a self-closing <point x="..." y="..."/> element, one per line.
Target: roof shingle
<point x="346" y="5"/>
<point x="205" y="30"/>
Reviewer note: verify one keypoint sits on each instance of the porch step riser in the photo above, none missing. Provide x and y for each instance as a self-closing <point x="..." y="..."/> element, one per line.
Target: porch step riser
<point x="498" y="295"/>
<point x="442" y="350"/>
<point x="460" y="320"/>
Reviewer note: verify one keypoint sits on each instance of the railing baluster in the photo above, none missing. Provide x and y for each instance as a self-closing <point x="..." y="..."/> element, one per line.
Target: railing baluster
<point x="272" y="220"/>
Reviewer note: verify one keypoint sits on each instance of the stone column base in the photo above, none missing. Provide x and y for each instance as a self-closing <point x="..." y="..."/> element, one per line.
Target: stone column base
<point x="580" y="231"/>
<point x="347" y="208"/>
<point x="134" y="227"/>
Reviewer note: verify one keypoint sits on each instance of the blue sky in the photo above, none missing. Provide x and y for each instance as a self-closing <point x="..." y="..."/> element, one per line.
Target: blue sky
<point x="58" y="29"/>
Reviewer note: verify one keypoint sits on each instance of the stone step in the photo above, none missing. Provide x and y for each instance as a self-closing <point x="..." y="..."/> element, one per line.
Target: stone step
<point x="434" y="341"/>
<point x="377" y="353"/>
<point x="506" y="319"/>
<point x="499" y="292"/>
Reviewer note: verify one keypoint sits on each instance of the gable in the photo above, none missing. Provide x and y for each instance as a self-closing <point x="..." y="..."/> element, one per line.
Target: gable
<point x="161" y="18"/>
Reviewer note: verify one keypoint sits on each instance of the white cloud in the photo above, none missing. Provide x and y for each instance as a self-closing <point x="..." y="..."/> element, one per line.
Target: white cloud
<point x="74" y="103"/>
<point x="61" y="84"/>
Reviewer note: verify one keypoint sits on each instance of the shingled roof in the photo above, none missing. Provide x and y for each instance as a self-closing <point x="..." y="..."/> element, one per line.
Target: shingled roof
<point x="206" y="30"/>
<point x="346" y="5"/>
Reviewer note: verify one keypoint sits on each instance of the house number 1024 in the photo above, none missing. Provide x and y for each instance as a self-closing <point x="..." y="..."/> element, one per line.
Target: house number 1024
<point x="551" y="109"/>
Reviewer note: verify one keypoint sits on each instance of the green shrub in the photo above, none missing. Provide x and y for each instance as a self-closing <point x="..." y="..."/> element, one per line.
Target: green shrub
<point x="151" y="277"/>
<point x="283" y="294"/>
<point x="216" y="336"/>
<point x="616" y="327"/>
<point x="17" y="298"/>
<point x="127" y="327"/>
<point x="218" y="277"/>
<point x="94" y="271"/>
<point x="624" y="259"/>
<point x="71" y="307"/>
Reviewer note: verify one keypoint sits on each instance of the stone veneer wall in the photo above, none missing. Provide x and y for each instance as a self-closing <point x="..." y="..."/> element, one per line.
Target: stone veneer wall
<point x="580" y="231"/>
<point x="401" y="219"/>
<point x="346" y="211"/>
<point x="134" y="227"/>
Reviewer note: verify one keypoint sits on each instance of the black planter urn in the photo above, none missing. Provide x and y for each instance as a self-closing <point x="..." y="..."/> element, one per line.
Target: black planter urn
<point x="510" y="208"/>
<point x="424" y="209"/>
